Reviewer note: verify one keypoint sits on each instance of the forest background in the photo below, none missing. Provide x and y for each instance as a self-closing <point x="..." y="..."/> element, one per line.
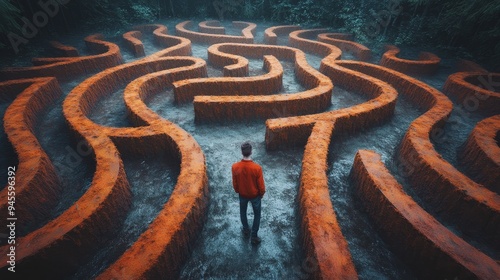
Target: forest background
<point x="463" y="28"/>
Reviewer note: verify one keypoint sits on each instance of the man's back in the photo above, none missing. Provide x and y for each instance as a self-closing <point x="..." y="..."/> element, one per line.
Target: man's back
<point x="248" y="180"/>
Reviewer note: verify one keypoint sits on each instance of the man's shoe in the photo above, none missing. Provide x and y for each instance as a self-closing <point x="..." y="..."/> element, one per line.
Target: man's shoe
<point x="246" y="232"/>
<point x="255" y="240"/>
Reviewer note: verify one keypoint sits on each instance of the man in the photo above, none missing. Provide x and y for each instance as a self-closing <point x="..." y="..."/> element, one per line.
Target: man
<point x="248" y="182"/>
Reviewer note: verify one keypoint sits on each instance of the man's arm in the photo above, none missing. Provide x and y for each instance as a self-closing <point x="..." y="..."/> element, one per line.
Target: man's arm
<point x="235" y="181"/>
<point x="260" y="183"/>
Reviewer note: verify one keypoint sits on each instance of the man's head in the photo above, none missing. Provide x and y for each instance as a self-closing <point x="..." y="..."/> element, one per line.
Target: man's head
<point x="246" y="149"/>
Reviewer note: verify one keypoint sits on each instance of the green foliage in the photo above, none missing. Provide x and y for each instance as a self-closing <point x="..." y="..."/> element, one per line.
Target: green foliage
<point x="201" y="11"/>
<point x="251" y="9"/>
<point x="143" y="13"/>
<point x="352" y="19"/>
<point x="305" y="12"/>
<point x="409" y="35"/>
<point x="473" y="25"/>
<point x="112" y="12"/>
<point x="10" y="15"/>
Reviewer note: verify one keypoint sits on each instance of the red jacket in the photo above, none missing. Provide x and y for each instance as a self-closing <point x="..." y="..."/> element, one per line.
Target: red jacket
<point x="248" y="180"/>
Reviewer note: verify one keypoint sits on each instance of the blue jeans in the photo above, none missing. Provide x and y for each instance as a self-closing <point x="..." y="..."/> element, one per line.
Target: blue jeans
<point x="256" y="213"/>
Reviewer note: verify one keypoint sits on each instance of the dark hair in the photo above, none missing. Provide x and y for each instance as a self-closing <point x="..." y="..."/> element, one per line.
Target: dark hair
<point x="246" y="149"/>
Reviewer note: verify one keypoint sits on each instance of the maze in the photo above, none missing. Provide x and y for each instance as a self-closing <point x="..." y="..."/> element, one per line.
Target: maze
<point x="120" y="100"/>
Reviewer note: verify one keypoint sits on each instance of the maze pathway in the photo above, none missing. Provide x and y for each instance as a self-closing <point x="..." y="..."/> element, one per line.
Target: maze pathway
<point x="38" y="187"/>
<point x="188" y="99"/>
<point x="66" y="68"/>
